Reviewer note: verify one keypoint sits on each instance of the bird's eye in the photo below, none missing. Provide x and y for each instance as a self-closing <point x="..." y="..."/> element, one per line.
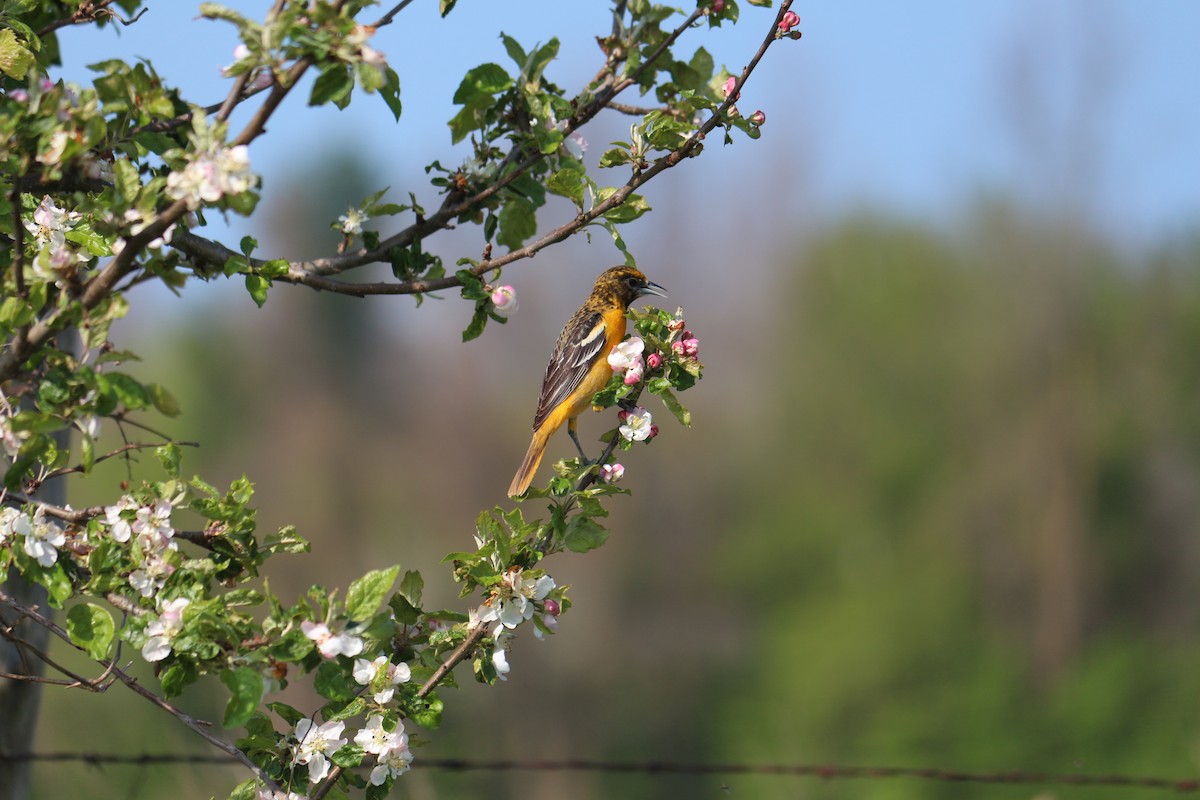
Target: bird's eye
<point x="631" y="281"/>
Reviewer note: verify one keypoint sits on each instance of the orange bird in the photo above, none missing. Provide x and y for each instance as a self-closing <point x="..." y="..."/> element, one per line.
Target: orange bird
<point x="579" y="366"/>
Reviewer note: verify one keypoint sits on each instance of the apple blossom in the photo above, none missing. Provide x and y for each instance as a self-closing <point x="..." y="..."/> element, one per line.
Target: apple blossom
<point x="314" y="743"/>
<point x="212" y="175"/>
<point x="512" y="599"/>
<point x="627" y="354"/>
<point x="718" y="6"/>
<point x="653" y="361"/>
<point x="151" y="576"/>
<point x="610" y="473"/>
<point x="119" y="527"/>
<point x="635" y="424"/>
<point x="500" y="662"/>
<point x="758" y="117"/>
<point x="329" y="644"/>
<point x="634" y="374"/>
<point x="375" y="739"/>
<point x="163" y="630"/>
<point x="391" y="764"/>
<point x="367" y="672"/>
<point x="152" y="524"/>
<point x="730" y="85"/>
<point x="42" y="539"/>
<point x="790" y="20"/>
<point x="352" y="221"/>
<point x="504" y="298"/>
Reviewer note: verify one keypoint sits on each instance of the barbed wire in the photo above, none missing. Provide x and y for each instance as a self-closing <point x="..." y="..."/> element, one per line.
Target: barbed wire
<point x="665" y="768"/>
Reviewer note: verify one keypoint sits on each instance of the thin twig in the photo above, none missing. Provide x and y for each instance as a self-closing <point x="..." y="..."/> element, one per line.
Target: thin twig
<point x="387" y="18"/>
<point x="124" y="449"/>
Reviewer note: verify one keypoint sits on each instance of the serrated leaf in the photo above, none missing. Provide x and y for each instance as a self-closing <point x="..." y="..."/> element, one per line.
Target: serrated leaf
<point x="245" y="689"/>
<point x="567" y="182"/>
<point x="367" y="594"/>
<point x="91" y="627"/>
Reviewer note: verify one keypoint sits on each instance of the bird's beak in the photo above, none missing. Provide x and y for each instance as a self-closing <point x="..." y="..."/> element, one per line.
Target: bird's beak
<point x="652" y="288"/>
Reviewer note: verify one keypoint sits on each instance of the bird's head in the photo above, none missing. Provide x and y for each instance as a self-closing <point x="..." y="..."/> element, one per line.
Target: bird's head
<point x="627" y="284"/>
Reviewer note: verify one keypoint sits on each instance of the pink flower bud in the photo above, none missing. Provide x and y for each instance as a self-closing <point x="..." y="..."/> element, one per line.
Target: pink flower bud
<point x="691" y="347"/>
<point x="611" y="473"/>
<point x="622" y="417"/>
<point x="731" y="82"/>
<point x="552" y="607"/>
<point x="634" y="373"/>
<point x="653" y="432"/>
<point x="654" y="361"/>
<point x="758" y="117"/>
<point x="504" y="298"/>
<point x="718" y="6"/>
<point x="47" y="84"/>
<point x="677" y="347"/>
<point x="20" y="95"/>
<point x="675" y="325"/>
<point x="790" y="20"/>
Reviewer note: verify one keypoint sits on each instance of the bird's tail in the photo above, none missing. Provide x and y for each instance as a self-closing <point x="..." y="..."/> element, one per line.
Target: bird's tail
<point x="533" y="457"/>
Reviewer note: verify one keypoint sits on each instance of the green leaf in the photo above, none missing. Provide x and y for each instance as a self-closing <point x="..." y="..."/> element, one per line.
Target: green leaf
<point x="130" y="392"/>
<point x="583" y="534"/>
<point x="348" y="756"/>
<point x="245" y="689"/>
<point x="127" y="180"/>
<point x="169" y="456"/>
<point x="246" y="790"/>
<point x="257" y="286"/>
<point x="514" y="50"/>
<point x="248" y="245"/>
<point x="286" y="713"/>
<point x="15" y="59"/>
<point x="390" y="91"/>
<point x="634" y="206"/>
<point x="411" y="587"/>
<point x="366" y="594"/>
<point x="91" y="627"/>
<point x="446" y="6"/>
<point x="163" y="400"/>
<point x="568" y="182"/>
<point x="478" y="322"/>
<point x="673" y="405"/>
<point x="518" y="222"/>
<point x="480" y="84"/>
<point x="615" y="157"/>
<point x="333" y="682"/>
<point x="334" y="85"/>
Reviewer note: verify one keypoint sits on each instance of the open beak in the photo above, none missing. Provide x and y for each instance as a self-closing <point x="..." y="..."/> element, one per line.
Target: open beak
<point x="652" y="288"/>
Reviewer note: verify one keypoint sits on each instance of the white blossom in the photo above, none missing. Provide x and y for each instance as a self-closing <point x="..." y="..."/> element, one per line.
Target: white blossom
<point x="42" y="538"/>
<point x="329" y="643"/>
<point x="512" y="600"/>
<point x="313" y="745"/>
<point x="163" y="630"/>
<point x="636" y="424"/>
<point x="212" y="175"/>
<point x="366" y="672"/>
<point x="376" y="740"/>
<point x="352" y="221"/>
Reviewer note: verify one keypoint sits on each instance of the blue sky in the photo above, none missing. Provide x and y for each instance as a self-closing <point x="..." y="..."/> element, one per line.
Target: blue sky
<point x="1086" y="104"/>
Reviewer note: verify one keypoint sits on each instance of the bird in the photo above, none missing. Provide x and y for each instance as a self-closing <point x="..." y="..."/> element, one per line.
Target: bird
<point x="579" y="367"/>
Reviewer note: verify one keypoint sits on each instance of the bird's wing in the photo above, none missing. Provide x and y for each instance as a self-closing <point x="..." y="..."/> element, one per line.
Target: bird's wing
<point x="579" y="344"/>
